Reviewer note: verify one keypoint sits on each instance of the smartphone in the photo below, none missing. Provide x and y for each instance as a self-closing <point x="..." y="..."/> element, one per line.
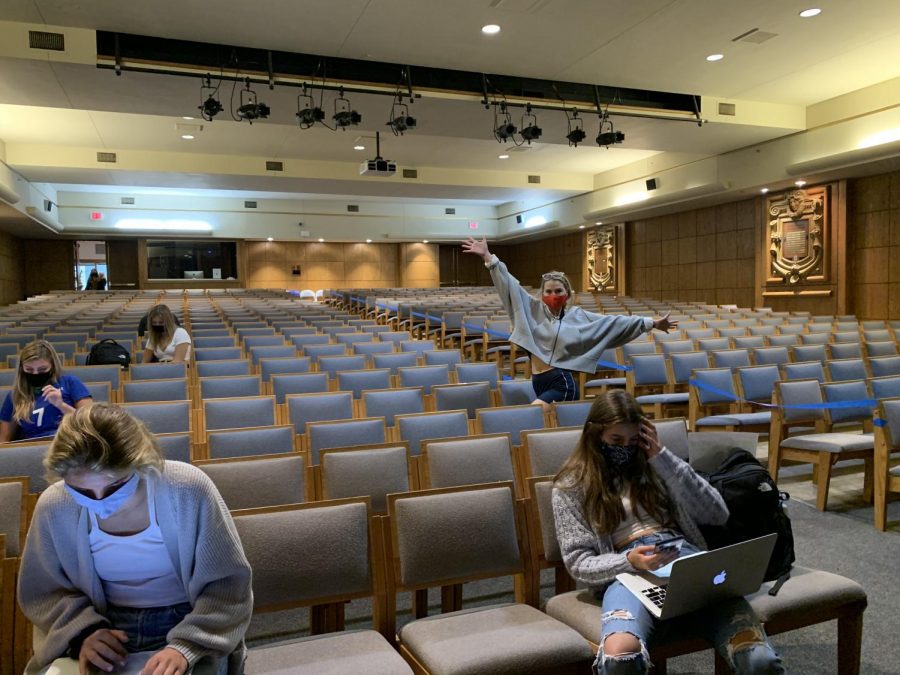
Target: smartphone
<point x="669" y="545"/>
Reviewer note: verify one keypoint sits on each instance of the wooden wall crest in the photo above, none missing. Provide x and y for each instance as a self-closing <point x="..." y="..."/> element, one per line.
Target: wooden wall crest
<point x="797" y="225"/>
<point x="601" y="259"/>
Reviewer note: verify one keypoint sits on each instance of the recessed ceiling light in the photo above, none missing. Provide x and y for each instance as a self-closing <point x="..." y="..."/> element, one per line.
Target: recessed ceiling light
<point x="424" y="241"/>
<point x="811" y="12"/>
<point x="368" y="241"/>
<point x="270" y="239"/>
<point x="321" y="240"/>
<point x="186" y="117"/>
<point x="715" y="57"/>
<point x="490" y="29"/>
<point x="502" y="156"/>
<point x="359" y="147"/>
<point x="764" y="190"/>
<point x="599" y="222"/>
<point x="799" y="183"/>
<point x="581" y="227"/>
<point x="188" y="137"/>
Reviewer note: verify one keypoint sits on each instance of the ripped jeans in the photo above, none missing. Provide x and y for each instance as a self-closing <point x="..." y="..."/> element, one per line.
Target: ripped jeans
<point x="731" y="627"/>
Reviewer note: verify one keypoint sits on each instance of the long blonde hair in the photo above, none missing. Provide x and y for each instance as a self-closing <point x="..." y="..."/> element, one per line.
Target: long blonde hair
<point x="586" y="470"/>
<point x="561" y="277"/>
<point x="22" y="392"/>
<point x="102" y="437"/>
<point x="161" y="312"/>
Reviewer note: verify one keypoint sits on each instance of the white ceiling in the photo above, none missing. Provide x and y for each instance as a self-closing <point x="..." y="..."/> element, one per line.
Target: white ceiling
<point x="650" y="44"/>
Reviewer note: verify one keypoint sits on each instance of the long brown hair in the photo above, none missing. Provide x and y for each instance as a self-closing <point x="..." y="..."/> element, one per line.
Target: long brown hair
<point x="23" y="393"/>
<point x="161" y="312"/>
<point x="586" y="470"/>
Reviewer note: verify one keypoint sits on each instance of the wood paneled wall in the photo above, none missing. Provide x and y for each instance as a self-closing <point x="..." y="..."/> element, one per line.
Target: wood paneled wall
<point x="565" y="253"/>
<point x="12" y="269"/>
<point x="702" y="255"/>
<point x="418" y="265"/>
<point x="327" y="265"/>
<point x="49" y="265"/>
<point x="873" y="233"/>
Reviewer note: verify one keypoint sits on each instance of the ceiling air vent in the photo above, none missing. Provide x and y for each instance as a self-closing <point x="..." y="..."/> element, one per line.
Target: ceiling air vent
<point x="108" y="157"/>
<point x="410" y="173"/>
<point x="754" y="35"/>
<point x="249" y="205"/>
<point x="727" y="109"/>
<point x="40" y="39"/>
<point x="534" y="179"/>
<point x="449" y="211"/>
<point x="128" y="200"/>
<point x="353" y="208"/>
<point x="274" y="166"/>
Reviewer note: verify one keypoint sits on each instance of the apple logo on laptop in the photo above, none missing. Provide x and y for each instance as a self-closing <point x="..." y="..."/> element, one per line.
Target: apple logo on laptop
<point x="719" y="578"/>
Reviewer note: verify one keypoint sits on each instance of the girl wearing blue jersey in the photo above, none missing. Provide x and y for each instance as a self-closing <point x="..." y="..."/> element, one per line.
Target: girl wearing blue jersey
<point x="40" y="396"/>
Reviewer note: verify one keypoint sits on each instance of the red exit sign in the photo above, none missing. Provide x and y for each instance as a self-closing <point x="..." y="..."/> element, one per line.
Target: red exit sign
<point x="473" y="225"/>
<point x="96" y="215"/>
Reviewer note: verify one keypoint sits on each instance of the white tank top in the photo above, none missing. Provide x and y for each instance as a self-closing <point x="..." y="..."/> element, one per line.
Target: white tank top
<point x="636" y="521"/>
<point x="135" y="569"/>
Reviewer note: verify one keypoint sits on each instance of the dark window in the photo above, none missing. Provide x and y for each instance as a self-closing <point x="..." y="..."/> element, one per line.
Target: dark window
<point x="191" y="260"/>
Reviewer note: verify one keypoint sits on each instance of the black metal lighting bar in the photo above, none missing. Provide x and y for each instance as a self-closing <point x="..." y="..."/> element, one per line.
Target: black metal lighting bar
<point x="127" y="52"/>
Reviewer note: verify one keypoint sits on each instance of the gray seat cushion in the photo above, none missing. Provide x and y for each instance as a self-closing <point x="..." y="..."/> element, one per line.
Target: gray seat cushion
<point x="606" y="382"/>
<point x="511" y="638"/>
<point x="833" y="442"/>
<point x="808" y="594"/>
<point x="663" y="398"/>
<point x="737" y="419"/>
<point x="363" y="651"/>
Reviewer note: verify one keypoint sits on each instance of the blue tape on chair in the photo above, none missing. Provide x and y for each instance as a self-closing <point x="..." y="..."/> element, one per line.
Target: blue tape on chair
<point x="482" y="329"/>
<point x="613" y="365"/>
<point x="833" y="405"/>
<point x="878" y="422"/>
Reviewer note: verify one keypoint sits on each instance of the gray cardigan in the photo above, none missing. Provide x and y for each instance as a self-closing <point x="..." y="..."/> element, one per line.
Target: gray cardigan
<point x="573" y="342"/>
<point x="61" y="594"/>
<point x="591" y="558"/>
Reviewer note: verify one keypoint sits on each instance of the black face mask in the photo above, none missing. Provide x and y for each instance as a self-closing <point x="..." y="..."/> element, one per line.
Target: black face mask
<point x="620" y="458"/>
<point x="38" y="380"/>
<point x="159" y="330"/>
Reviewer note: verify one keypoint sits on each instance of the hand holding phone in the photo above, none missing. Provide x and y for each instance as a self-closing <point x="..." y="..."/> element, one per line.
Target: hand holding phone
<point x="672" y="544"/>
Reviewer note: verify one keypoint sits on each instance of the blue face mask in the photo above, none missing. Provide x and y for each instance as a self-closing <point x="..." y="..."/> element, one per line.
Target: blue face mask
<point x="104" y="508"/>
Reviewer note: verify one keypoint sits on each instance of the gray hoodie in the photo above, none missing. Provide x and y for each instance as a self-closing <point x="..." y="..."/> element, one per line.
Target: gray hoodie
<point x="576" y="340"/>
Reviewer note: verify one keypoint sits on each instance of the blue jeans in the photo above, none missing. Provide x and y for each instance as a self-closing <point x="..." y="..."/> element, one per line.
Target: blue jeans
<point x="719" y="624"/>
<point x="147" y="629"/>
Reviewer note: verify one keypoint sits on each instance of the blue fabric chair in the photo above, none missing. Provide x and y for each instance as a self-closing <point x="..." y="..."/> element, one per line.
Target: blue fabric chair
<point x="418" y="427"/>
<point x="510" y="419"/>
<point x="388" y="403"/>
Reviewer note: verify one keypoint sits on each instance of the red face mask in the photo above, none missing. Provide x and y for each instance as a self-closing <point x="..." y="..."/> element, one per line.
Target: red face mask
<point x="555" y="302"/>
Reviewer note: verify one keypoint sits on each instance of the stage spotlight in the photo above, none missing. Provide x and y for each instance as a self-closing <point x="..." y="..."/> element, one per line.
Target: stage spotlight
<point x="608" y="138"/>
<point x="530" y="130"/>
<point x="343" y="115"/>
<point x="503" y="126"/>
<point x="576" y="130"/>
<point x="401" y="120"/>
<point x="250" y="109"/>
<point x="308" y="113"/>
<point x="209" y="106"/>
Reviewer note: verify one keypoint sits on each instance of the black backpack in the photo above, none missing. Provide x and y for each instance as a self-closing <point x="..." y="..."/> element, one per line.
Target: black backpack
<point x="108" y="352"/>
<point x="756" y="507"/>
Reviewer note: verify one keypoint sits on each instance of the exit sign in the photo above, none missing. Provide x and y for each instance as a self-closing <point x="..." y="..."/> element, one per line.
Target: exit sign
<point x="473" y="225"/>
<point x="96" y="215"/>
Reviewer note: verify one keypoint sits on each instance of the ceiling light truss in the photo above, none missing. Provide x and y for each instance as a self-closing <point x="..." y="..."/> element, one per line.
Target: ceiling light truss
<point x="134" y="53"/>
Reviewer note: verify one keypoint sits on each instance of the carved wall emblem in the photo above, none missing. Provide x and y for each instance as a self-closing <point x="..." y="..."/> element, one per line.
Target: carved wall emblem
<point x="601" y="259"/>
<point x="796" y="234"/>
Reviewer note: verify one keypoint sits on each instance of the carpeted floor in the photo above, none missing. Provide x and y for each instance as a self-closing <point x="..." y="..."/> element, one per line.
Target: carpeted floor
<point x="841" y="540"/>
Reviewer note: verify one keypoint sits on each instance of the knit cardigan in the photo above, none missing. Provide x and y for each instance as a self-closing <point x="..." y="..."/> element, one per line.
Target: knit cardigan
<point x="590" y="557"/>
<point x="61" y="594"/>
<point x="574" y="341"/>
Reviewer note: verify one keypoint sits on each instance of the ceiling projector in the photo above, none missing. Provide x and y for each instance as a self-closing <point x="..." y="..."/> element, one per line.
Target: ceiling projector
<point x="378" y="167"/>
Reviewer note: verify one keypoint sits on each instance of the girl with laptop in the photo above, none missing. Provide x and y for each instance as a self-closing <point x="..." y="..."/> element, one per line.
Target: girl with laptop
<point x="615" y="499"/>
<point x="560" y="337"/>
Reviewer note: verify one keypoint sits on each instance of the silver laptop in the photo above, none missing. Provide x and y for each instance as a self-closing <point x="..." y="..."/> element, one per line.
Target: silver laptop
<point x="703" y="579"/>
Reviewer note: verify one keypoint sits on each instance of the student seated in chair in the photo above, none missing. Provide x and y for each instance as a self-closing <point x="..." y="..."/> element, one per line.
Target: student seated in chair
<point x="132" y="564"/>
<point x="40" y="396"/>
<point x="168" y="342"/>
<point x="614" y="499"/>
<point x="559" y="336"/>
